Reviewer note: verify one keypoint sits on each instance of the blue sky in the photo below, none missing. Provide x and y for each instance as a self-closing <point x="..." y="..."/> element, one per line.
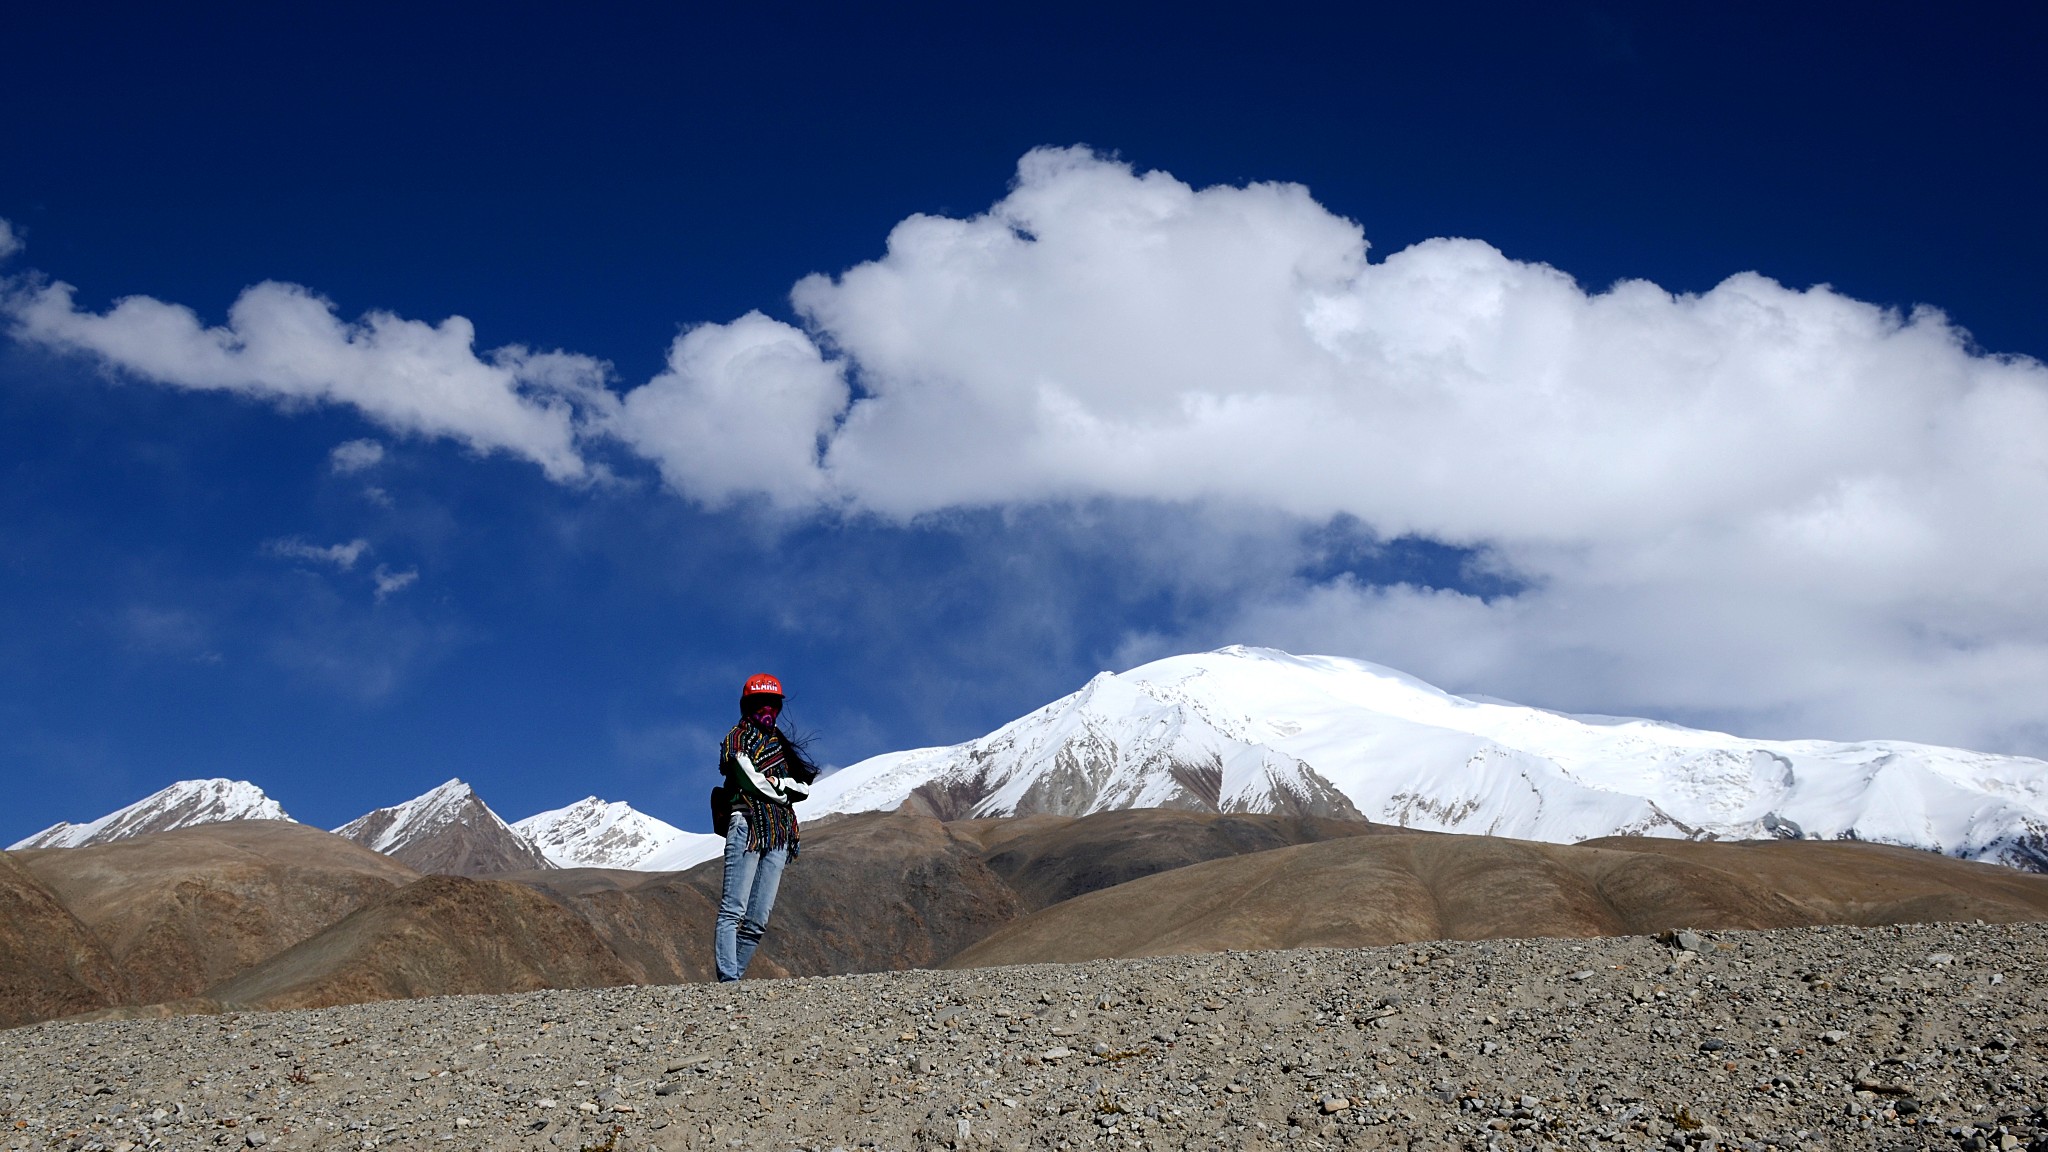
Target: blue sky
<point x="936" y="360"/>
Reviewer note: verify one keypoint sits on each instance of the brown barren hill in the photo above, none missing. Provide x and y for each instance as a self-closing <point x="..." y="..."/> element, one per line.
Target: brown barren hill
<point x="442" y="936"/>
<point x="1374" y="890"/>
<point x="181" y="910"/>
<point x="657" y="924"/>
<point x="50" y="964"/>
<point x="1853" y="882"/>
<point x="1058" y="858"/>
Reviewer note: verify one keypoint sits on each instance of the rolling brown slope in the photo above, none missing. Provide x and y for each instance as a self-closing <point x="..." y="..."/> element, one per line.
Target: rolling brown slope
<point x="1371" y="890"/>
<point x="1058" y="858"/>
<point x="181" y="910"/>
<point x="50" y="964"/>
<point x="442" y="936"/>
<point x="1850" y="882"/>
<point x="245" y="906"/>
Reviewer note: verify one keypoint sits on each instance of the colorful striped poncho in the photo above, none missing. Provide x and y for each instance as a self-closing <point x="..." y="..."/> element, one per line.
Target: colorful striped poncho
<point x="770" y="824"/>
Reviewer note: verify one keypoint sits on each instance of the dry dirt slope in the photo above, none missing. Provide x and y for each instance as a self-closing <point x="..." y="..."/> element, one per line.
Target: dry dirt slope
<point x="1375" y="890"/>
<point x="890" y="891"/>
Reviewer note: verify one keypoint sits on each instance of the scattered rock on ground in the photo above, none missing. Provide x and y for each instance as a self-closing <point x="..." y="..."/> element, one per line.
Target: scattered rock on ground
<point x="1824" y="1038"/>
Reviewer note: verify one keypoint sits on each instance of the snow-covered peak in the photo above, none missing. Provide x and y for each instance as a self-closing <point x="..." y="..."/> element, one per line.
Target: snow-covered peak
<point x="594" y="833"/>
<point x="429" y="812"/>
<point x="181" y="805"/>
<point x="447" y="829"/>
<point x="1256" y="729"/>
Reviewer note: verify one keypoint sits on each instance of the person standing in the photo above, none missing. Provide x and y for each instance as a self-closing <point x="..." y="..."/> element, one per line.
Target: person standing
<point x="765" y="773"/>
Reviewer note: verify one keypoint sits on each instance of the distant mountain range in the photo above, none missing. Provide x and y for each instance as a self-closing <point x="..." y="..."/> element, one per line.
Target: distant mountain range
<point x="1245" y="730"/>
<point x="1257" y="730"/>
<point x="448" y="829"/>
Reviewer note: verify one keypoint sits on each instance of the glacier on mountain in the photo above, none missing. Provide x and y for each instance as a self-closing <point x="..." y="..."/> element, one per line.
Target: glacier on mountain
<point x="181" y="805"/>
<point x="1258" y="730"/>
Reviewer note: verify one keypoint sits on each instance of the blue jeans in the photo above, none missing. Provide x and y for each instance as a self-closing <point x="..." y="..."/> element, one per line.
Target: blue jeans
<point x="751" y="879"/>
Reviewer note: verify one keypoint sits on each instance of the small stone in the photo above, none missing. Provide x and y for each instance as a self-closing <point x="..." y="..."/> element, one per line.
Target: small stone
<point x="1689" y="940"/>
<point x="1713" y="1044"/>
<point x="1056" y="1054"/>
<point x="1833" y="1036"/>
<point x="1333" y="1104"/>
<point x="255" y="1140"/>
<point x="1583" y="974"/>
<point x="419" y="1076"/>
<point x="588" y="1107"/>
<point x="544" y="1103"/>
<point x="668" y="1089"/>
<point x="1099" y="1049"/>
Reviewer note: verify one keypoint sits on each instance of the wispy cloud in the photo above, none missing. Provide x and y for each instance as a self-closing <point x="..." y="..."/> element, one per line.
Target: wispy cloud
<point x="177" y="633"/>
<point x="390" y="582"/>
<point x="355" y="456"/>
<point x="9" y="242"/>
<point x="342" y="556"/>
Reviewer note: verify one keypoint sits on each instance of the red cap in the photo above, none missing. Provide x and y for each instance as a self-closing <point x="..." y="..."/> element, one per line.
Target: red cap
<point x="761" y="684"/>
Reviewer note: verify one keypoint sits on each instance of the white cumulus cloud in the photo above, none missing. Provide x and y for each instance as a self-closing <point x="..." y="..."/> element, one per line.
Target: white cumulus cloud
<point x="285" y="344"/>
<point x="1777" y="507"/>
<point x="742" y="407"/>
<point x="1782" y="507"/>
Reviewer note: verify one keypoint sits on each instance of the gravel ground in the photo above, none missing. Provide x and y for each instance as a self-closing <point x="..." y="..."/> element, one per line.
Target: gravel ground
<point x="1925" y="1036"/>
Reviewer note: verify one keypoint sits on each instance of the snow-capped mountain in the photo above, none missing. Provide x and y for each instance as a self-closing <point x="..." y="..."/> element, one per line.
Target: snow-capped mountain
<point x="449" y="829"/>
<point x="592" y="833"/>
<point x="181" y="805"/>
<point x="1254" y="730"/>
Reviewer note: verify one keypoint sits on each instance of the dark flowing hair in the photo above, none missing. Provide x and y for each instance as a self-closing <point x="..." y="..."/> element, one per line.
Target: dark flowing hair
<point x="796" y="753"/>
